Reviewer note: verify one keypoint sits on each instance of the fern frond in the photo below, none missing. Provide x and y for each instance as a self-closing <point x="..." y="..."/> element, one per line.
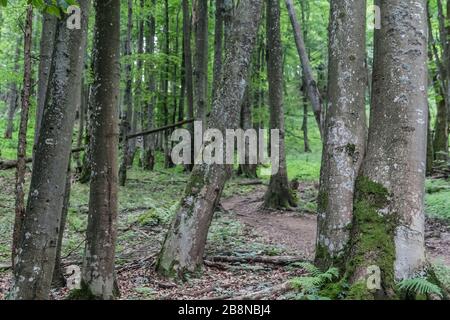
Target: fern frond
<point x="419" y="286"/>
<point x="308" y="267"/>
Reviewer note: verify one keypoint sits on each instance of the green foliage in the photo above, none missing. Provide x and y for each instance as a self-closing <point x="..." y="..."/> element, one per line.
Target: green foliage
<point x="419" y="286"/>
<point x="309" y="286"/>
<point x="436" y="199"/>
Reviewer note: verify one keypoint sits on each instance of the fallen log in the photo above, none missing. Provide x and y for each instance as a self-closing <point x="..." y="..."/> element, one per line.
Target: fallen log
<point x="279" y="260"/>
<point x="278" y="289"/>
<point x="5" y="266"/>
<point x="10" y="164"/>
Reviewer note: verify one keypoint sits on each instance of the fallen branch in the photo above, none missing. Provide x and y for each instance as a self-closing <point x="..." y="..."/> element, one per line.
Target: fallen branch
<point x="279" y="260"/>
<point x="11" y="164"/>
<point x="5" y="266"/>
<point x="278" y="289"/>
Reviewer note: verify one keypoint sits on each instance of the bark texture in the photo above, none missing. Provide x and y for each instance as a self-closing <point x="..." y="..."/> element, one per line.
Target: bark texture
<point x="39" y="236"/>
<point x="98" y="276"/>
<point x="345" y="128"/>
<point x="184" y="244"/>
<point x="388" y="223"/>
<point x="279" y="193"/>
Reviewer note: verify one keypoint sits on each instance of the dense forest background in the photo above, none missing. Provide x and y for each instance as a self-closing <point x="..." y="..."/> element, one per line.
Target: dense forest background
<point x="242" y="231"/>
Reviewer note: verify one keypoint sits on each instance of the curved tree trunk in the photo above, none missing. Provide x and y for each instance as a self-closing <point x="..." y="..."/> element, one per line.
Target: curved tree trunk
<point x="13" y="94"/>
<point x="388" y="223"/>
<point x="184" y="244"/>
<point x="279" y="193"/>
<point x="98" y="276"/>
<point x="345" y="128"/>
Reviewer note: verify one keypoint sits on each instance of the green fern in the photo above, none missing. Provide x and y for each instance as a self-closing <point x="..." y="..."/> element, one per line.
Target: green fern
<point x="419" y="286"/>
<point x="308" y="267"/>
<point x="310" y="285"/>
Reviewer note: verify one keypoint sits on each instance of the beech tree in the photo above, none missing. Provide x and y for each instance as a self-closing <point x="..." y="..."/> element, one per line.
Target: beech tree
<point x="39" y="230"/>
<point x="388" y="216"/>
<point x="279" y="193"/>
<point x="345" y="128"/>
<point x="98" y="275"/>
<point x="184" y="244"/>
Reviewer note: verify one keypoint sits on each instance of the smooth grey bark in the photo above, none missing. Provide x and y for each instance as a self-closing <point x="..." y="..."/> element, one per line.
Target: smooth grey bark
<point x="45" y="61"/>
<point x="188" y="70"/>
<point x="311" y="84"/>
<point x="200" y="75"/>
<point x="279" y="193"/>
<point x="150" y="103"/>
<point x="218" y="45"/>
<point x="41" y="227"/>
<point x="127" y="112"/>
<point x="98" y="276"/>
<point x="345" y="128"/>
<point x="388" y="224"/>
<point x="76" y="84"/>
<point x="13" y="94"/>
<point x="184" y="244"/>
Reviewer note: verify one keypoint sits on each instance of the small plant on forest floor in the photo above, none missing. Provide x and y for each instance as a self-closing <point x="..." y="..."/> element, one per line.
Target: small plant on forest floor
<point x="309" y="287"/>
<point x="419" y="286"/>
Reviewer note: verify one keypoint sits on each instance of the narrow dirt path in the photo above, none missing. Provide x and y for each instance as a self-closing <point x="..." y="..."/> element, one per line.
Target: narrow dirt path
<point x="296" y="232"/>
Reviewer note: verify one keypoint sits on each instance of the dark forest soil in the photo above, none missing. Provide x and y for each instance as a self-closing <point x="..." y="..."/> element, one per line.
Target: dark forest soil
<point x="240" y="229"/>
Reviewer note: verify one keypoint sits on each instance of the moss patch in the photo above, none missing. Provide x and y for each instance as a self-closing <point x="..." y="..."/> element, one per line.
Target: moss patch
<point x="373" y="238"/>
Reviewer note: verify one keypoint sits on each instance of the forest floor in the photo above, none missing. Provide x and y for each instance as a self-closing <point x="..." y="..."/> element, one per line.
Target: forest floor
<point x="241" y="229"/>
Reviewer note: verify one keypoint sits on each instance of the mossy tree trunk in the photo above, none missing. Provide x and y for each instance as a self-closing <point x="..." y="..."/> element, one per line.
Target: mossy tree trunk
<point x="345" y="128"/>
<point x="388" y="223"/>
<point x="278" y="194"/>
<point x="185" y="241"/>
<point x="98" y="275"/>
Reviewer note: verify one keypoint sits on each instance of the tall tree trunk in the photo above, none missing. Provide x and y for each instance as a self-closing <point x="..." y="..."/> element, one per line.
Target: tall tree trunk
<point x="187" y="53"/>
<point x="201" y="59"/>
<point x="98" y="276"/>
<point x="184" y="244"/>
<point x="218" y="44"/>
<point x="45" y="61"/>
<point x="388" y="218"/>
<point x="345" y="128"/>
<point x="167" y="150"/>
<point x="128" y="100"/>
<point x="278" y="194"/>
<point x="311" y="85"/>
<point x="13" y="94"/>
<point x="247" y="169"/>
<point x="138" y="99"/>
<point x="149" y="140"/>
<point x="41" y="228"/>
<point x="22" y="139"/>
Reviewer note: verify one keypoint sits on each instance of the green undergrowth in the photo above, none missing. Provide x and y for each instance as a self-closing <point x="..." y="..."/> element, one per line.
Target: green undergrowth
<point x="437" y="199"/>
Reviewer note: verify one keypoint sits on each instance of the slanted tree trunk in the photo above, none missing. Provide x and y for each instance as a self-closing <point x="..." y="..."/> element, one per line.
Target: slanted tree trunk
<point x="13" y="94"/>
<point x="41" y="228"/>
<point x="22" y="138"/>
<point x="311" y="85"/>
<point x="345" y="128"/>
<point x="98" y="277"/>
<point x="77" y="85"/>
<point x="150" y="103"/>
<point x="45" y="61"/>
<point x="278" y="194"/>
<point x="127" y="113"/>
<point x="388" y="217"/>
<point x="201" y="59"/>
<point x="184" y="244"/>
